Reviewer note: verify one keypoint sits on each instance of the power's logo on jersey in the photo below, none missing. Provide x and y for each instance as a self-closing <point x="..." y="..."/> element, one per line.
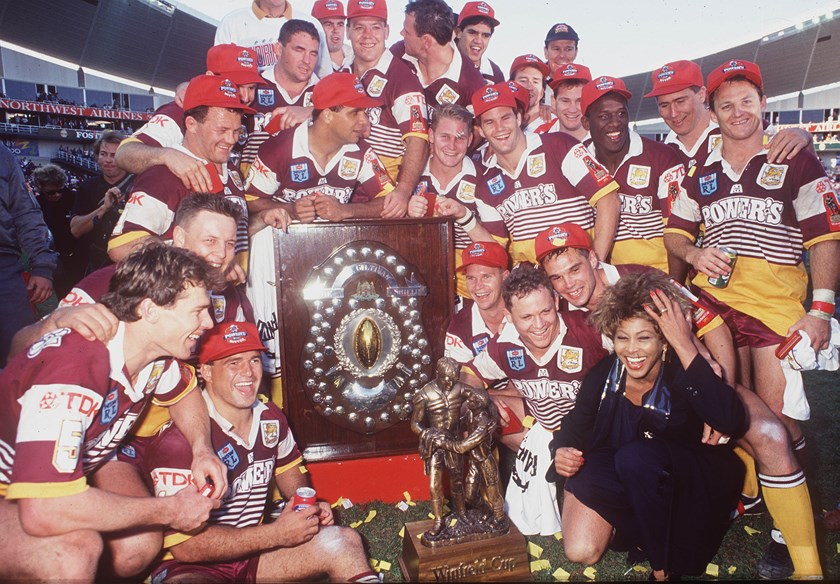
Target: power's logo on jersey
<point x="708" y="184"/>
<point x="110" y="407"/>
<point x="228" y="455"/>
<point x="270" y="430"/>
<point x="516" y="359"/>
<point x="496" y="184"/>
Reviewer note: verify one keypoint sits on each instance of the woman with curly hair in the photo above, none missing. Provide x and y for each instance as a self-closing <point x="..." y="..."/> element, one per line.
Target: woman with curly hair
<point x="638" y="475"/>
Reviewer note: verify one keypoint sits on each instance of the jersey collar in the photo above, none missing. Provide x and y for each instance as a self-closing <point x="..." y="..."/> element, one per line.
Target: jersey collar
<point x="672" y="138"/>
<point x="227" y="427"/>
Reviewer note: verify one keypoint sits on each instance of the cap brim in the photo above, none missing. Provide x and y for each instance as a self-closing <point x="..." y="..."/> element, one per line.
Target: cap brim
<point x="665" y="90"/>
<point x="244" y="77"/>
<point x="234" y="350"/>
<point x="463" y="267"/>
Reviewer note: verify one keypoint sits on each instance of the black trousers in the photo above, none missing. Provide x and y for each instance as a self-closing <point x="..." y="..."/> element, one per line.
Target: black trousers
<point x="673" y="502"/>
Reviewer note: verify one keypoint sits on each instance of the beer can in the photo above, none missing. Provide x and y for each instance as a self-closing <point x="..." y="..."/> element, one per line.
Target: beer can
<point x="723" y="281"/>
<point x="700" y="315"/>
<point x="304" y="497"/>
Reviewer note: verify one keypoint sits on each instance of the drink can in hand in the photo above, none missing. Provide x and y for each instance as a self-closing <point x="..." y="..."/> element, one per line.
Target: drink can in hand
<point x="304" y="497"/>
<point x="722" y="281"/>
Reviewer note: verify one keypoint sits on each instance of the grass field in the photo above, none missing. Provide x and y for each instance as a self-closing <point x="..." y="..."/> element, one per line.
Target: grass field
<point x="739" y="550"/>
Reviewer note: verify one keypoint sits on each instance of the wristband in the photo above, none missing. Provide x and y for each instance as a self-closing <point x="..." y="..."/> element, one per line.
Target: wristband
<point x="824" y="295"/>
<point x="466" y="218"/>
<point x="820" y="314"/>
<point x="469" y="225"/>
<point x="825" y="307"/>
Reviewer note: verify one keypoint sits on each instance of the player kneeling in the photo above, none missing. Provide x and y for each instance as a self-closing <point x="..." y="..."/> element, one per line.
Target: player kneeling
<point x="253" y="439"/>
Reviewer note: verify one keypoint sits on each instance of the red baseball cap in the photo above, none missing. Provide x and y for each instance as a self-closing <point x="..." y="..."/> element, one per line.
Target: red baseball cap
<point x="371" y="8"/>
<point x="238" y="64"/>
<point x="730" y="69"/>
<point x="558" y="236"/>
<point x="568" y="72"/>
<point x="213" y="91"/>
<point x="484" y="253"/>
<point x="229" y="338"/>
<point x="482" y="9"/>
<point x="521" y="94"/>
<point x="328" y="9"/>
<point x="597" y="88"/>
<point x="492" y="96"/>
<point x="529" y="60"/>
<point x="341" y="89"/>
<point x="676" y="76"/>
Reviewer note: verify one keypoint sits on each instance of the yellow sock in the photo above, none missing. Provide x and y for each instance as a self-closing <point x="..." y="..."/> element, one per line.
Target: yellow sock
<point x="789" y="503"/>
<point x="750" y="488"/>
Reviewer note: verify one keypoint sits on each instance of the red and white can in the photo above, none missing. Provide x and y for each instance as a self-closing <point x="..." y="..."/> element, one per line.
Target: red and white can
<point x="304" y="497"/>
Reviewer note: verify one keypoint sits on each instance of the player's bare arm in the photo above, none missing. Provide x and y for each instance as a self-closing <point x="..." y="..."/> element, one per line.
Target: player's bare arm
<point x="136" y="157"/>
<point x="608" y="209"/>
<point x="92" y="321"/>
<point x="101" y="511"/>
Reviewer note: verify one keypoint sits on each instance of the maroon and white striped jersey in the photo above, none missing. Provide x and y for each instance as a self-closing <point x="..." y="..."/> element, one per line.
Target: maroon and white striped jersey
<point x="252" y="463"/>
<point x="404" y="111"/>
<point x="556" y="180"/>
<point x="67" y="404"/>
<point x="550" y="383"/>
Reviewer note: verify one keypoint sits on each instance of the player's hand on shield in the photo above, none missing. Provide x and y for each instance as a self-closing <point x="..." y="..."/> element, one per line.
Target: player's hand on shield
<point x="330" y="208"/>
<point x="396" y="204"/>
<point x="277" y="217"/>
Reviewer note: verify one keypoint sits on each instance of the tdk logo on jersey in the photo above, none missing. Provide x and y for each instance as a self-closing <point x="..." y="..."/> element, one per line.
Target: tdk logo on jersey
<point x="708" y="184"/>
<point x="516" y="359"/>
<point x="496" y="184"/>
<point x="228" y="455"/>
<point x="109" y="407"/>
<point x="300" y="172"/>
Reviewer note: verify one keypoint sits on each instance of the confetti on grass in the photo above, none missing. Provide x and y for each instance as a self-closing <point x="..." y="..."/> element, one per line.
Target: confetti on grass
<point x="561" y="575"/>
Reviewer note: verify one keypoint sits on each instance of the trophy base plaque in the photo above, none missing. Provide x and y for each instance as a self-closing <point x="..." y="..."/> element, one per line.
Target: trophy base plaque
<point x="498" y="559"/>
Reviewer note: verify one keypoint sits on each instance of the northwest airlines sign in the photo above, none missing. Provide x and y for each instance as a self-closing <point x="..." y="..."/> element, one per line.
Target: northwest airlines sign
<point x="38" y="107"/>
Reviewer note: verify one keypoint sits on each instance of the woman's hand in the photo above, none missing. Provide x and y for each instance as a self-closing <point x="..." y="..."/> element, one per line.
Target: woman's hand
<point x="567" y="461"/>
<point x="674" y="324"/>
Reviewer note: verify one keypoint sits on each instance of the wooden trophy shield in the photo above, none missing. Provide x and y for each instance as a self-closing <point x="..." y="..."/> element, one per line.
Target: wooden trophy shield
<point x="363" y="308"/>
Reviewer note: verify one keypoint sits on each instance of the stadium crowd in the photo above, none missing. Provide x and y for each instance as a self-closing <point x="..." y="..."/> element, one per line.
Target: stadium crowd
<point x="640" y="301"/>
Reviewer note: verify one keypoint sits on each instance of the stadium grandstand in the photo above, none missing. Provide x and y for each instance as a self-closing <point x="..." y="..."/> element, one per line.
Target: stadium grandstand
<point x="53" y="110"/>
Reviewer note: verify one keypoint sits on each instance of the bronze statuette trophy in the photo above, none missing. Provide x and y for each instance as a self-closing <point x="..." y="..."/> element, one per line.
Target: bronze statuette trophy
<point x="456" y="423"/>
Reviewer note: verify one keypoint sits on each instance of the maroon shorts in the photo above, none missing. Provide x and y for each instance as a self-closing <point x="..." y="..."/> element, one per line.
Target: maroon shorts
<point x="747" y="331"/>
<point x="238" y="571"/>
<point x="133" y="450"/>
